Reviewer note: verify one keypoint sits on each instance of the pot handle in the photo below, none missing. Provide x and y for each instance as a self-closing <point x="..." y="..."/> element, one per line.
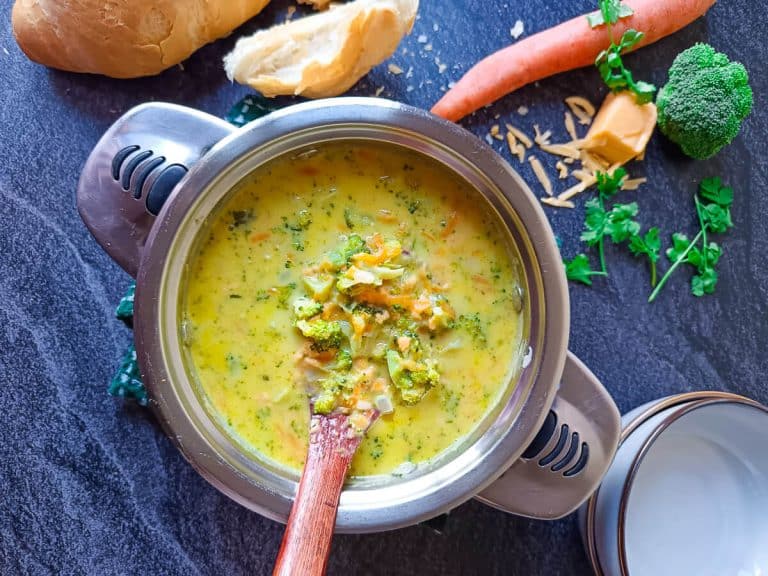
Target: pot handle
<point x="135" y="168"/>
<point x="570" y="454"/>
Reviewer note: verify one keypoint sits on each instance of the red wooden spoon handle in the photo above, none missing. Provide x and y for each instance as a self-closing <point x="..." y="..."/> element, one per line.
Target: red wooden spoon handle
<point x="307" y="539"/>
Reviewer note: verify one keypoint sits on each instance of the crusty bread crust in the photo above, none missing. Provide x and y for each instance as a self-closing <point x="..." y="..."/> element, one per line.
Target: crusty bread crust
<point x="123" y="38"/>
<point x="324" y="54"/>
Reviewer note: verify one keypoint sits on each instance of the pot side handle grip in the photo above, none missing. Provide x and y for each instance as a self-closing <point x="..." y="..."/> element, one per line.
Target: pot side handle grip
<point x="135" y="167"/>
<point x="570" y="454"/>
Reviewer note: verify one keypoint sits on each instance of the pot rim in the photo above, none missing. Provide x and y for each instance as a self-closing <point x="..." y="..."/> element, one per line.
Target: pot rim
<point x="685" y="403"/>
<point x="515" y="423"/>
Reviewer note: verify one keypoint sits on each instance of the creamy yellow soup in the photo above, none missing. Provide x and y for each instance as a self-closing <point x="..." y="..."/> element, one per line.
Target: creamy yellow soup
<point x="249" y="268"/>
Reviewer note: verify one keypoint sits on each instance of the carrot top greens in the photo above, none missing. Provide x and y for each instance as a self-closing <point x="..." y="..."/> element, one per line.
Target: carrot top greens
<point x="368" y="306"/>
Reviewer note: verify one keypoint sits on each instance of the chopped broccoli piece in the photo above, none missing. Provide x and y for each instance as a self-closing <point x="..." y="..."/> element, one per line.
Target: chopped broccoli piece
<point x="331" y="389"/>
<point x="319" y="287"/>
<point x="372" y="275"/>
<point x="705" y="101"/>
<point x="472" y="325"/>
<point x="324" y="335"/>
<point x="413" y="383"/>
<point x="354" y="244"/>
<point x="304" y="308"/>
<point x="325" y="402"/>
<point x="343" y="360"/>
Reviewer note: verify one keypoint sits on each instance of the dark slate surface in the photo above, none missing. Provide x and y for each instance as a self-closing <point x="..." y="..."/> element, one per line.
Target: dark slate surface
<point x="91" y="486"/>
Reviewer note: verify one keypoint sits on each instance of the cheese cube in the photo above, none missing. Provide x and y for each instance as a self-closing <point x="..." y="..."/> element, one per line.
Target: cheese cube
<point x="621" y="129"/>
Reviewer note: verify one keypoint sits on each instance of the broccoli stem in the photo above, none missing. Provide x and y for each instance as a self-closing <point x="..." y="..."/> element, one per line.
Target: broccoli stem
<point x="680" y="260"/>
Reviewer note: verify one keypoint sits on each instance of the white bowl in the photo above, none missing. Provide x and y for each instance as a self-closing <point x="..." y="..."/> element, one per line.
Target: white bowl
<point x="687" y="492"/>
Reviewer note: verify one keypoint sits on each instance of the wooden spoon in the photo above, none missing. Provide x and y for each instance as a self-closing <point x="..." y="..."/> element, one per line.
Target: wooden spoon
<point x="307" y="539"/>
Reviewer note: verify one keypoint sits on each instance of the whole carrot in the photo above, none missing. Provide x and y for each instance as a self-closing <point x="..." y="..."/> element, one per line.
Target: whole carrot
<point x="572" y="44"/>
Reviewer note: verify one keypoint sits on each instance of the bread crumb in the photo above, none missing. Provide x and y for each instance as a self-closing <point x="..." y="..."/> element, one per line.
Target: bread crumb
<point x="441" y="68"/>
<point x="290" y="12"/>
<point x="379" y="90"/>
<point x="428" y="47"/>
<point x="541" y="174"/>
<point x="409" y="88"/>
<point x="517" y="30"/>
<point x="435" y="27"/>
<point x="422" y="39"/>
<point x="562" y="170"/>
<point x="409" y="74"/>
<point x="489" y="139"/>
<point x="522" y="110"/>
<point x="394" y="69"/>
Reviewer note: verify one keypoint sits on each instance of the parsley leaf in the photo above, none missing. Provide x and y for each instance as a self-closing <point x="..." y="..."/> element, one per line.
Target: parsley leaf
<point x="712" y="189"/>
<point x="648" y="246"/>
<point x="680" y="244"/>
<point x="704" y="282"/>
<point x="594" y="223"/>
<point x="699" y="253"/>
<point x="716" y="218"/>
<point x="579" y="270"/>
<point x="613" y="72"/>
<point x="610" y="12"/>
<point x="610" y="183"/>
<point x="620" y="226"/>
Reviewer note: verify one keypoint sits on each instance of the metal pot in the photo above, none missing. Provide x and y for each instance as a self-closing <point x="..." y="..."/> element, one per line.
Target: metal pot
<point x="160" y="171"/>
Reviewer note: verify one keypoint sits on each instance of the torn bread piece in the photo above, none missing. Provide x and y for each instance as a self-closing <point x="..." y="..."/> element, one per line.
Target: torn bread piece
<point x="323" y="54"/>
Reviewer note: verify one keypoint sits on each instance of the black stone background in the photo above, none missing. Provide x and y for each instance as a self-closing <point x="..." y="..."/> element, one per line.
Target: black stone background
<point x="90" y="485"/>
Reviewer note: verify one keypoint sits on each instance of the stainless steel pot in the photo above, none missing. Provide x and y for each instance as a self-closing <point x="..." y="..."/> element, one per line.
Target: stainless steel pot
<point x="161" y="170"/>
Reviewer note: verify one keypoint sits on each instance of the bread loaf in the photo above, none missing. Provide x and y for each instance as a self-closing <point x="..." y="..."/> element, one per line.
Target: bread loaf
<point x="123" y="38"/>
<point x="323" y="54"/>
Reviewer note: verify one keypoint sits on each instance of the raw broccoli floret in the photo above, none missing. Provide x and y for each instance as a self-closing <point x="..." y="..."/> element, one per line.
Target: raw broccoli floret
<point x="414" y="382"/>
<point x="304" y="308"/>
<point x="324" y="335"/>
<point x="703" y="104"/>
<point x="354" y="244"/>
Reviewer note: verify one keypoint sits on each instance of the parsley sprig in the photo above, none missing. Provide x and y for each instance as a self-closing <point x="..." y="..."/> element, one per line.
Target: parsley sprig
<point x="713" y="208"/>
<point x="616" y="222"/>
<point x="609" y="62"/>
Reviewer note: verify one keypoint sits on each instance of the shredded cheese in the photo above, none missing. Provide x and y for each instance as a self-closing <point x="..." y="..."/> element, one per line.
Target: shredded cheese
<point x="541" y="174"/>
<point x="557" y="202"/>
<point x="633" y="184"/>
<point x="521" y="153"/>
<point x="394" y="69"/>
<point x="520" y="135"/>
<point x="495" y="132"/>
<point x="539" y="138"/>
<point x="562" y="170"/>
<point x="570" y="126"/>
<point x="578" y="189"/>
<point x="581" y="108"/>
<point x="567" y="150"/>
